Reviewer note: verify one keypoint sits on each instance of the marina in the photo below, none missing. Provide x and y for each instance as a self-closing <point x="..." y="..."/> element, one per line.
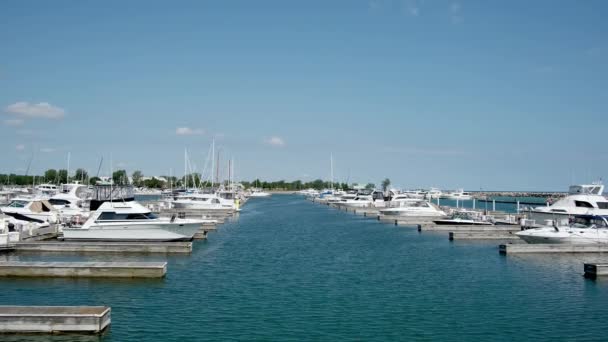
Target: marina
<point x="292" y="235"/>
<point x="376" y="170"/>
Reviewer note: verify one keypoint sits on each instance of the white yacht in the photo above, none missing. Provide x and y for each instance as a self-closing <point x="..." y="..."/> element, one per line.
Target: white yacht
<point x="402" y="199"/>
<point x="258" y="193"/>
<point x="337" y="198"/>
<point x="309" y="192"/>
<point x="465" y="218"/>
<point x="418" y="208"/>
<point x="31" y="209"/>
<point x="201" y="202"/>
<point x="72" y="199"/>
<point x="416" y="194"/>
<point x="46" y="189"/>
<point x="434" y="193"/>
<point x="359" y="201"/>
<point x="586" y="199"/>
<point x="459" y="195"/>
<point x="131" y="221"/>
<point x="584" y="229"/>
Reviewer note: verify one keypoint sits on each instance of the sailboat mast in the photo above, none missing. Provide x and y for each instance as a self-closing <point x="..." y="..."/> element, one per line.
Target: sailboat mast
<point x="331" y="161"/>
<point x="217" y="168"/>
<point x="68" y="175"/>
<point x="212" y="161"/>
<point x="185" y="168"/>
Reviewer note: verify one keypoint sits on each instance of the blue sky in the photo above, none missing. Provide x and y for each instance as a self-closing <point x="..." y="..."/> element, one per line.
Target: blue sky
<point x="473" y="94"/>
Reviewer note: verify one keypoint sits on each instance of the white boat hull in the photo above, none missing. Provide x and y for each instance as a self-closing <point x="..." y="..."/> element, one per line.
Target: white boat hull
<point x="565" y="236"/>
<point x="200" y="206"/>
<point x="162" y="231"/>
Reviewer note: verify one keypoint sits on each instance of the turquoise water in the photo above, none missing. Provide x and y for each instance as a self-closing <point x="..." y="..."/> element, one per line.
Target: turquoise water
<point x="288" y="269"/>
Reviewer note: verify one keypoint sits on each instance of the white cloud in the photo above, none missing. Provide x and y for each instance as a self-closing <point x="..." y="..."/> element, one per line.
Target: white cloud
<point x="47" y="150"/>
<point x="275" y="141"/>
<point x="13" y="122"/>
<point x="35" y="110"/>
<point x="20" y="147"/>
<point x="188" y="131"/>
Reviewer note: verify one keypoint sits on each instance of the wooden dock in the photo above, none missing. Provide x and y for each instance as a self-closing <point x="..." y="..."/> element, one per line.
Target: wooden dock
<point x="552" y="248"/>
<point x="84" y="269"/>
<point x="104" y="247"/>
<point x="595" y="270"/>
<point x="54" y="319"/>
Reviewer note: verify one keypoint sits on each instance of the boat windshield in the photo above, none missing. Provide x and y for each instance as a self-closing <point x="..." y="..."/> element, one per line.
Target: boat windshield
<point x="112" y="216"/>
<point x="17" y="204"/>
<point x="589" y="222"/>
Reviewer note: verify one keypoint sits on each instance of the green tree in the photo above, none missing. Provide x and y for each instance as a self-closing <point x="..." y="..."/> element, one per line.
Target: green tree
<point x="137" y="176"/>
<point x="50" y="175"/>
<point x="81" y="175"/>
<point x="370" y="186"/>
<point x="62" y="176"/>
<point x="120" y="177"/>
<point x="94" y="180"/>
<point x="385" y="184"/>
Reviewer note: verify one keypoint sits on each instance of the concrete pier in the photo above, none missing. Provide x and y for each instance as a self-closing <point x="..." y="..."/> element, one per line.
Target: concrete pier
<point x="482" y="235"/>
<point x="54" y="319"/>
<point x="552" y="248"/>
<point x="416" y="222"/>
<point x="595" y="270"/>
<point x="84" y="269"/>
<point x="446" y="228"/>
<point x="105" y="247"/>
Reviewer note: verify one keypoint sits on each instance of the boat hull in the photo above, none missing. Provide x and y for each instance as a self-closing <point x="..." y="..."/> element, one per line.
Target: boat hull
<point x="135" y="232"/>
<point x="462" y="223"/>
<point x="199" y="206"/>
<point x="565" y="236"/>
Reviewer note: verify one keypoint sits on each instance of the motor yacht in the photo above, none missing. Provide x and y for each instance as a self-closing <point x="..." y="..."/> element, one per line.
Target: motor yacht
<point x="458" y="195"/>
<point x="419" y="208"/>
<point x="258" y="193"/>
<point x="72" y="199"/>
<point x="433" y="193"/>
<point x="582" y="229"/>
<point x="416" y="194"/>
<point x="31" y="209"/>
<point x="200" y="202"/>
<point x="131" y="221"/>
<point x="585" y="199"/>
<point x="465" y="218"/>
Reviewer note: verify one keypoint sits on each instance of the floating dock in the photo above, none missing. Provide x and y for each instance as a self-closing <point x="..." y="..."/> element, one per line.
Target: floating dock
<point x="482" y="235"/>
<point x="446" y="228"/>
<point x="84" y="269"/>
<point x="54" y="319"/>
<point x="552" y="248"/>
<point x="596" y="270"/>
<point x="105" y="247"/>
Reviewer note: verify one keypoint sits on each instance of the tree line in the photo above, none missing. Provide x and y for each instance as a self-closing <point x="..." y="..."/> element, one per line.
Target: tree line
<point x="120" y="177"/>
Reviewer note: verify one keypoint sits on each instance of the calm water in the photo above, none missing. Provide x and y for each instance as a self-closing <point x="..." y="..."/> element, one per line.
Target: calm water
<point x="287" y="269"/>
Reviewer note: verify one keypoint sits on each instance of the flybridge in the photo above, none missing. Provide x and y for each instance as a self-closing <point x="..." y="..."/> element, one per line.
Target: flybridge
<point x="107" y="192"/>
<point x="587" y="189"/>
